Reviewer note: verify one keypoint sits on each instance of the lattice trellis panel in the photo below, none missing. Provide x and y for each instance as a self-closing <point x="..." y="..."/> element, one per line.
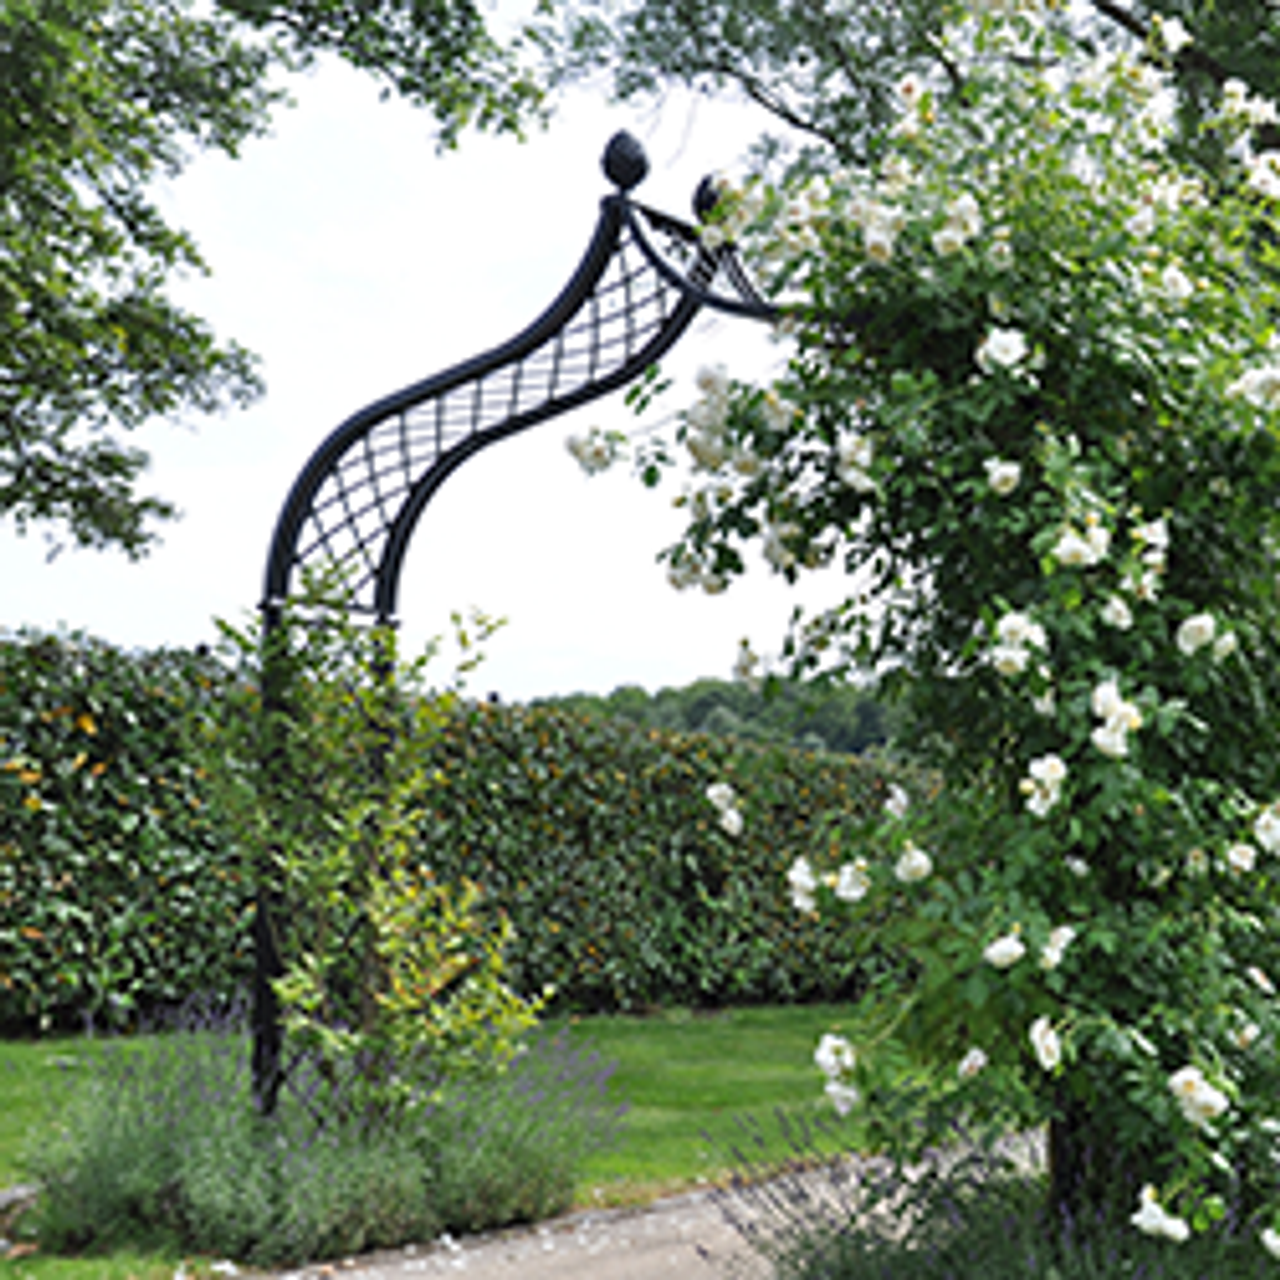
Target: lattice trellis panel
<point x="355" y="505"/>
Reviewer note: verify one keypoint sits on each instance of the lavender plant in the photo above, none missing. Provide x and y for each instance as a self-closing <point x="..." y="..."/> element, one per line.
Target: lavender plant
<point x="160" y="1144"/>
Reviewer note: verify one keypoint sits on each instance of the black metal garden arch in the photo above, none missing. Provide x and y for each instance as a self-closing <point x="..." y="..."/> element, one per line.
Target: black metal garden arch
<point x="354" y="506"/>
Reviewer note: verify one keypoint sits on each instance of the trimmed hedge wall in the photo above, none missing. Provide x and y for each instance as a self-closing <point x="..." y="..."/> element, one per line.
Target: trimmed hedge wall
<point x="118" y="896"/>
<point x="598" y="839"/>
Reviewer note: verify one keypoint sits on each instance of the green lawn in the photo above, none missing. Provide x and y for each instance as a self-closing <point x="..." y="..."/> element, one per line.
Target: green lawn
<point x="686" y="1075"/>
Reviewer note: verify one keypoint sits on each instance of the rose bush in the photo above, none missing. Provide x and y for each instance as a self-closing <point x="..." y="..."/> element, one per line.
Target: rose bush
<point x="1030" y="398"/>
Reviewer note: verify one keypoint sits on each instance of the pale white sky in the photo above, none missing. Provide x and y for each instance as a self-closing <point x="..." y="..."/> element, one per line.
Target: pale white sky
<point x="355" y="260"/>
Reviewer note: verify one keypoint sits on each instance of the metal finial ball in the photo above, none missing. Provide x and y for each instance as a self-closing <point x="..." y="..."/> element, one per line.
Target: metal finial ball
<point x="625" y="163"/>
<point x="705" y="198"/>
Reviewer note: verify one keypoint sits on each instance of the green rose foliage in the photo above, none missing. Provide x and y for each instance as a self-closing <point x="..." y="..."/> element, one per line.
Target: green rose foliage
<point x="1032" y="401"/>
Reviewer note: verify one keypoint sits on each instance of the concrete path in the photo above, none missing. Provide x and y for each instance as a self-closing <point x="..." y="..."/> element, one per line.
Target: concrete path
<point x="686" y="1236"/>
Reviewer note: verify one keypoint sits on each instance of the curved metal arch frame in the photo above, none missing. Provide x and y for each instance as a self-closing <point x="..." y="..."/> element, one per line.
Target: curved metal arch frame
<point x="367" y="533"/>
<point x="619" y="216"/>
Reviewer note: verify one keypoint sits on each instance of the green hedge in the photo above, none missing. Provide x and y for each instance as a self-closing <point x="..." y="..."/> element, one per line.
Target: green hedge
<point x="118" y="896"/>
<point x="115" y="893"/>
<point x="598" y="839"/>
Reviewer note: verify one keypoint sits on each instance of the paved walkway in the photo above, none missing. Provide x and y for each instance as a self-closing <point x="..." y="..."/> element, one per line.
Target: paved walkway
<point x="686" y="1236"/>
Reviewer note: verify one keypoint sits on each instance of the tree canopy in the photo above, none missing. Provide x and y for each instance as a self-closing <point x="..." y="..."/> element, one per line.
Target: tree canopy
<point x="98" y="98"/>
<point x="844" y="718"/>
<point x="825" y="72"/>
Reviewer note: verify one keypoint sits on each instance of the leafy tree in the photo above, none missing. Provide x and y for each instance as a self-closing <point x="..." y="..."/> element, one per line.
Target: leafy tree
<point x="826" y="72"/>
<point x="318" y="757"/>
<point x="98" y="98"/>
<point x="841" y="718"/>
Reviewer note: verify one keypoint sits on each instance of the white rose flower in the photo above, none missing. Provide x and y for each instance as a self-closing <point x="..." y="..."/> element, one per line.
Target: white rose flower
<point x="1154" y="535"/>
<point x="853" y="464"/>
<point x="803" y="885"/>
<point x="774" y="547"/>
<point x="1043" y="784"/>
<point x="744" y="667"/>
<point x="898" y="801"/>
<point x="1001" y="349"/>
<point x="1240" y="859"/>
<point x="1266" y="828"/>
<point x="1002" y="476"/>
<point x="1260" y="980"/>
<point x="1245" y="1036"/>
<point x="1049" y="770"/>
<point x="1045" y="1042"/>
<point x="1142" y="223"/>
<point x="1224" y="646"/>
<point x="1199" y="1101"/>
<point x="1077" y="866"/>
<point x="721" y="795"/>
<point x="1261" y="387"/>
<point x="910" y="88"/>
<point x="966" y="214"/>
<point x="1004" y="951"/>
<point x="1270" y="1239"/>
<point x="731" y="821"/>
<point x="844" y="1097"/>
<point x="948" y="239"/>
<point x="1195" y="632"/>
<point x="594" y="452"/>
<point x="852" y="883"/>
<point x="712" y="381"/>
<point x="913" y="865"/>
<point x="713" y="236"/>
<point x="1173" y="33"/>
<point x="1176" y="284"/>
<point x="1060" y="938"/>
<point x="1010" y="659"/>
<point x="877" y="241"/>
<point x="1152" y="1220"/>
<point x="1111" y="739"/>
<point x="1074" y="549"/>
<point x="1116" y="613"/>
<point x="1118" y="717"/>
<point x="834" y="1055"/>
<point x="1018" y="628"/>
<point x="1106" y="699"/>
<point x="1147" y="587"/>
<point x="1098" y="536"/>
<point x="971" y="1064"/>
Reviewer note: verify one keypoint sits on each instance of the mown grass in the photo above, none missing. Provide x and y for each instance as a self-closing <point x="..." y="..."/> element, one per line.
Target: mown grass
<point x="687" y="1077"/>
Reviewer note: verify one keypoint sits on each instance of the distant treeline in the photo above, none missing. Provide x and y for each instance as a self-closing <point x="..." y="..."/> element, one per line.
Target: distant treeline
<point x="839" y="719"/>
